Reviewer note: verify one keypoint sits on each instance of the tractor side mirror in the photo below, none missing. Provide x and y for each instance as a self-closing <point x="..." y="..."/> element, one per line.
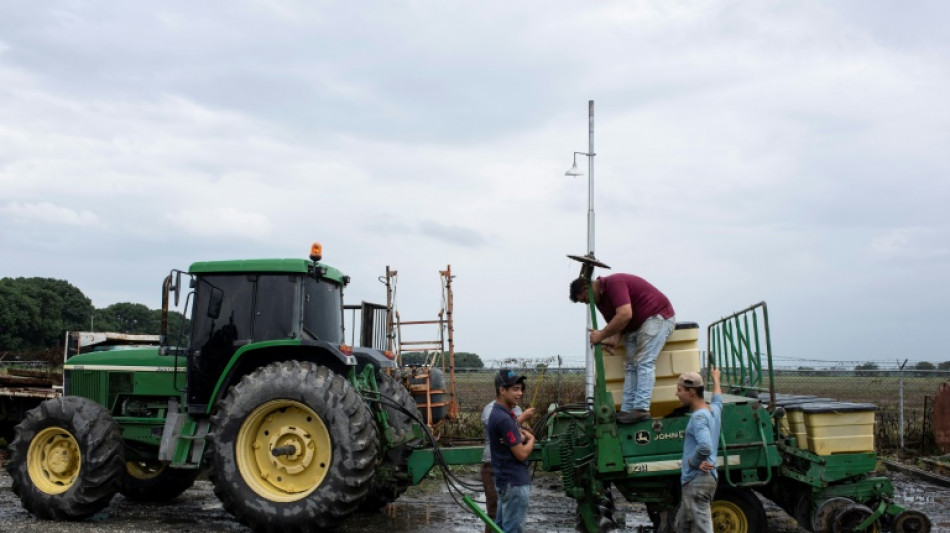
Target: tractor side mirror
<point x="214" y="302"/>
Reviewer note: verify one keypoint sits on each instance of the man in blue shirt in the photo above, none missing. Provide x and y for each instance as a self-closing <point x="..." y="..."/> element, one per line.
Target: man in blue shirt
<point x="700" y="449"/>
<point x="510" y="448"/>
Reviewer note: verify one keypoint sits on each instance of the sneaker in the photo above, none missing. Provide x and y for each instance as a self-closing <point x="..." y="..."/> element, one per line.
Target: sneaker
<point x="624" y="417"/>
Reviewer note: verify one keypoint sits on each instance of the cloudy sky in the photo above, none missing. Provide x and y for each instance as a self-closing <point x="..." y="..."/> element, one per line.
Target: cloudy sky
<point x="792" y="152"/>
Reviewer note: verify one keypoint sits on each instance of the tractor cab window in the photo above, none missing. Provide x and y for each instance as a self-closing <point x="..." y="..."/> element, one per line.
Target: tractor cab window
<point x="322" y="310"/>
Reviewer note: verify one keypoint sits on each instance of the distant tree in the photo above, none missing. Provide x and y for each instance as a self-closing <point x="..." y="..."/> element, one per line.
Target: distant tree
<point x="866" y="369"/>
<point x="924" y="368"/>
<point x="175" y="320"/>
<point x="806" y="368"/>
<point x="468" y="360"/>
<point x="127" y="317"/>
<point x="34" y="312"/>
<point x="944" y="365"/>
<point x="413" y="358"/>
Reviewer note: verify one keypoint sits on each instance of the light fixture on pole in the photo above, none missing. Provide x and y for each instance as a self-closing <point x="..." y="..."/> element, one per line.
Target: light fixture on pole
<point x="575" y="171"/>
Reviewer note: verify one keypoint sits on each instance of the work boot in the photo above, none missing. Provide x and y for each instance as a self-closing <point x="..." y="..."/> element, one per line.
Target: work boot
<point x="624" y="417"/>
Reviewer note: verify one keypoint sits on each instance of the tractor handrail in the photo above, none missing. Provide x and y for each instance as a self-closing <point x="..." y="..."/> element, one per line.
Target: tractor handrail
<point x="725" y="461"/>
<point x="725" y="458"/>
<point x="734" y="345"/>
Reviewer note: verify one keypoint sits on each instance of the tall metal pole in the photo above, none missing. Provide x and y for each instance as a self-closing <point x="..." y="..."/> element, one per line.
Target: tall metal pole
<point x="590" y="178"/>
<point x="589" y="363"/>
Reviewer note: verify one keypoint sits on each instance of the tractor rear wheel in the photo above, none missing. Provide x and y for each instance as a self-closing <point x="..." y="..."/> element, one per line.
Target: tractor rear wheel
<point x="392" y="473"/>
<point x="154" y="481"/>
<point x="738" y="511"/>
<point x="66" y="459"/>
<point x="294" y="447"/>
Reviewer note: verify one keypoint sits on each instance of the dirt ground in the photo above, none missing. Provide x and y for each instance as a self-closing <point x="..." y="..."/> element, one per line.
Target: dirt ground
<point x="427" y="508"/>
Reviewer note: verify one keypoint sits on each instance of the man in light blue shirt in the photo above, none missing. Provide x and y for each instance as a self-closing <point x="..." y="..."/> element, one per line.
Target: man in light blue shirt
<point x="700" y="449"/>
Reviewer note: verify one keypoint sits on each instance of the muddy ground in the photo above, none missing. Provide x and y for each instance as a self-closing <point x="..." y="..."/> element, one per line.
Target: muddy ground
<point x="427" y="508"/>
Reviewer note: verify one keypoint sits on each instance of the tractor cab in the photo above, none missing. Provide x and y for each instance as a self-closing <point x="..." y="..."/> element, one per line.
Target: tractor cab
<point x="240" y="304"/>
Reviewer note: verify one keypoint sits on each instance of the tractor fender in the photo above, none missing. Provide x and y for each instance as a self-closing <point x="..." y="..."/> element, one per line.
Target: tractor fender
<point x="248" y="358"/>
<point x="371" y="356"/>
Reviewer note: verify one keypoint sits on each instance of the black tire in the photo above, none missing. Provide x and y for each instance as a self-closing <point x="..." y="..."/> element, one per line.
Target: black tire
<point x="847" y="519"/>
<point x="66" y="459"/>
<point x="325" y="441"/>
<point x="911" y="522"/>
<point x="392" y="471"/>
<point x="154" y="481"/>
<point x="738" y="511"/>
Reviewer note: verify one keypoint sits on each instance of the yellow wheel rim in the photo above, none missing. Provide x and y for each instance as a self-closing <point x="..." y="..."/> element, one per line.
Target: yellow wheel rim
<point x="53" y="460"/>
<point x="728" y="517"/>
<point x="301" y="434"/>
<point x="144" y="470"/>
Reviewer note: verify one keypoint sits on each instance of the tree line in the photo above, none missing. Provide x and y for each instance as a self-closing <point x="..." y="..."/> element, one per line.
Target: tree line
<point x="35" y="313"/>
<point x="921" y="368"/>
<point x="871" y="369"/>
<point x="462" y="359"/>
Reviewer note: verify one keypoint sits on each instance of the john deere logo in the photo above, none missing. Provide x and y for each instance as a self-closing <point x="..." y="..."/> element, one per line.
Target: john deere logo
<point x="643" y="437"/>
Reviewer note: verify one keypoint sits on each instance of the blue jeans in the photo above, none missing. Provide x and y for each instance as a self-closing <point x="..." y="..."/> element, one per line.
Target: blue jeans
<point x="643" y="345"/>
<point x="513" y="508"/>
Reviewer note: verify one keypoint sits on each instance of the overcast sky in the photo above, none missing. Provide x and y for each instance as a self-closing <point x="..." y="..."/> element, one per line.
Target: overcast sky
<point x="792" y="152"/>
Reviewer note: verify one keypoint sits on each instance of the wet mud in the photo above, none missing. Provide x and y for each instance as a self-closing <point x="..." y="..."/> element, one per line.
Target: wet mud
<point x="428" y="508"/>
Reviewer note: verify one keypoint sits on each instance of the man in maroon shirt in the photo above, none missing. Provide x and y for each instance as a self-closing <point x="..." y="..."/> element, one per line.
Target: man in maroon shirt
<point x="641" y="317"/>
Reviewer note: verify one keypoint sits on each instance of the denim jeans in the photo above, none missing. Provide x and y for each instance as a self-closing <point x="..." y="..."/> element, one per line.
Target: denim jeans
<point x="695" y="512"/>
<point x="643" y="345"/>
<point x="513" y="508"/>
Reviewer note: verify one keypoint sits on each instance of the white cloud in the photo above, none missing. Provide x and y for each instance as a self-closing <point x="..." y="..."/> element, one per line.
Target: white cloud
<point x="911" y="243"/>
<point x="223" y="222"/>
<point x="47" y="214"/>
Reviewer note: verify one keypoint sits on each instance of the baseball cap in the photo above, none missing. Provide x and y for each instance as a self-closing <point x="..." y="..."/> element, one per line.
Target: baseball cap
<point x="507" y="377"/>
<point x="690" y="379"/>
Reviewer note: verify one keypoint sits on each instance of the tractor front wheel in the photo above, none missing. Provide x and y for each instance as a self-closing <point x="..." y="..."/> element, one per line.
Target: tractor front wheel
<point x="66" y="459"/>
<point x="293" y="449"/>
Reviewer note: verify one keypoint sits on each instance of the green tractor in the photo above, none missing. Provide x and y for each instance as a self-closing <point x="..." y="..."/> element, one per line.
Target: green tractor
<point x="296" y="429"/>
